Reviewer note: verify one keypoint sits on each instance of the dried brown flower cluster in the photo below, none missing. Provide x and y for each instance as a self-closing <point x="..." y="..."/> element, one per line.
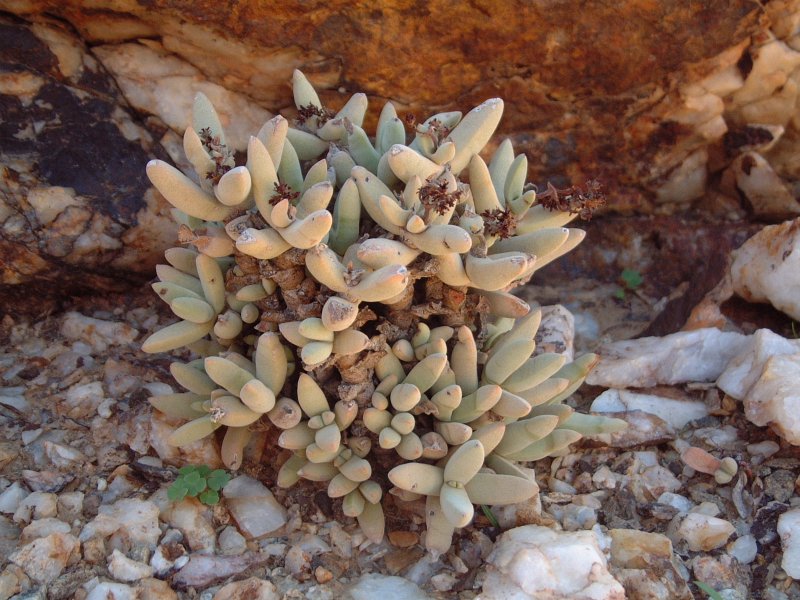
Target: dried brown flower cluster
<point x="582" y="201"/>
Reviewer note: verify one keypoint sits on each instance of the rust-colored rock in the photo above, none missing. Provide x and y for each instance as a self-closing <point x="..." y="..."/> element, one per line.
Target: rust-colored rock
<point x="593" y="93"/>
<point x="76" y="215"/>
<point x="655" y="100"/>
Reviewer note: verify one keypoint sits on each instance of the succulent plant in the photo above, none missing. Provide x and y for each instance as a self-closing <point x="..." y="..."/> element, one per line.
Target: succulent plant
<point x="360" y="303"/>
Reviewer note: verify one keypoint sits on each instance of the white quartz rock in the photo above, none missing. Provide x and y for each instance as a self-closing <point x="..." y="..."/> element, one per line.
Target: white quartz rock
<point x="107" y="590"/>
<point x="687" y="180"/>
<point x="676" y="501"/>
<point x="251" y="588"/>
<point x="169" y="554"/>
<point x="772" y="63"/>
<point x="12" y="497"/>
<point x="231" y="541"/>
<point x="373" y="585"/>
<point x="299" y="556"/>
<point x="746" y="366"/>
<point x="38" y="505"/>
<point x="765" y="190"/>
<point x="82" y="400"/>
<point x="64" y="457"/>
<point x="194" y="520"/>
<point x="70" y="505"/>
<point x="653" y="481"/>
<point x="97" y="333"/>
<point x="645" y="564"/>
<point x="686" y="356"/>
<point x="675" y="412"/>
<point x="703" y="532"/>
<point x="534" y="562"/>
<point x="203" y="569"/>
<point x="42" y="528"/>
<point x="145" y="589"/>
<point x="159" y="83"/>
<point x="764" y="376"/>
<point x="15" y="398"/>
<point x="775" y="398"/>
<point x="253" y="507"/>
<point x="137" y="519"/>
<point x="744" y="549"/>
<point x="789" y="530"/>
<point x="45" y="558"/>
<point x="123" y="568"/>
<point x="556" y="332"/>
<point x="767" y="267"/>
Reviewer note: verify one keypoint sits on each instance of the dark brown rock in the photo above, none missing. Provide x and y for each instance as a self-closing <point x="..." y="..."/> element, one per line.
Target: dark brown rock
<point x="75" y="209"/>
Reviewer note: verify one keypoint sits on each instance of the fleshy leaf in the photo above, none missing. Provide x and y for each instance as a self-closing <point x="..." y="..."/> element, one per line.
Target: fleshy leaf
<point x="418" y="478"/>
<point x="490" y="488"/>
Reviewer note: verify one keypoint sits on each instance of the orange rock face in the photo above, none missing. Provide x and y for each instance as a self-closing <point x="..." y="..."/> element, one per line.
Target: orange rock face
<point x="585" y="87"/>
<point x="667" y="103"/>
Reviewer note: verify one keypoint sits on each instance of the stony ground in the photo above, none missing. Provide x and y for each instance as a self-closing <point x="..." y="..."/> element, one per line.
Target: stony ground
<point x="83" y="491"/>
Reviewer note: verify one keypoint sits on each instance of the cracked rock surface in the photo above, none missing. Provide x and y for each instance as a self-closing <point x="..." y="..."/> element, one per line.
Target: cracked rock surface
<point x="74" y="207"/>
<point x="685" y="119"/>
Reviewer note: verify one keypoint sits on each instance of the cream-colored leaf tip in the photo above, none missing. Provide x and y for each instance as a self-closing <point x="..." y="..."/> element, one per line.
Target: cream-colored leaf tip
<point x="348" y="296"/>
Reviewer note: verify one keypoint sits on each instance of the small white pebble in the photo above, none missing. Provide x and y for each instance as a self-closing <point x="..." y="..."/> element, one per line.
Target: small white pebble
<point x="676" y="501"/>
<point x="274" y="549"/>
<point x="104" y="410"/>
<point x="587" y="500"/>
<point x="152" y="461"/>
<point x="556" y="485"/>
<point x="231" y="542"/>
<point x="578" y="517"/>
<point x="122" y="568"/>
<point x="102" y="484"/>
<point x="443" y="582"/>
<point x="707" y="508"/>
<point x="458" y="564"/>
<point x="30" y="435"/>
<point x="704" y="532"/>
<point x="743" y="549"/>
<point x="789" y="530"/>
<point x="82" y="348"/>
<point x="763" y="449"/>
<point x="605" y="478"/>
<point x="12" y="497"/>
<point x="157" y="388"/>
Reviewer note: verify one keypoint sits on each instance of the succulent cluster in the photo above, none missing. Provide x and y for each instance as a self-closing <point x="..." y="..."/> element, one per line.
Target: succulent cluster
<point x="359" y="304"/>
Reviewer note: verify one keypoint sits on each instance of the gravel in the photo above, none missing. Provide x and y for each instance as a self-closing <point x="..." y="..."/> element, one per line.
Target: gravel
<point x="84" y="511"/>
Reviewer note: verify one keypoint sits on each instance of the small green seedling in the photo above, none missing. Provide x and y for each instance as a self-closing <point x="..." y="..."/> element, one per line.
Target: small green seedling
<point x="631" y="280"/>
<point x="709" y="591"/>
<point x="198" y="481"/>
<point x="490" y="515"/>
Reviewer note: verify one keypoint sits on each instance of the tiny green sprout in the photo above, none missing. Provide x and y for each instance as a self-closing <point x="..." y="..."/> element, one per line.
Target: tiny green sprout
<point x="490" y="515"/>
<point x="198" y="481"/>
<point x="709" y="591"/>
<point x="795" y="333"/>
<point x="631" y="280"/>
